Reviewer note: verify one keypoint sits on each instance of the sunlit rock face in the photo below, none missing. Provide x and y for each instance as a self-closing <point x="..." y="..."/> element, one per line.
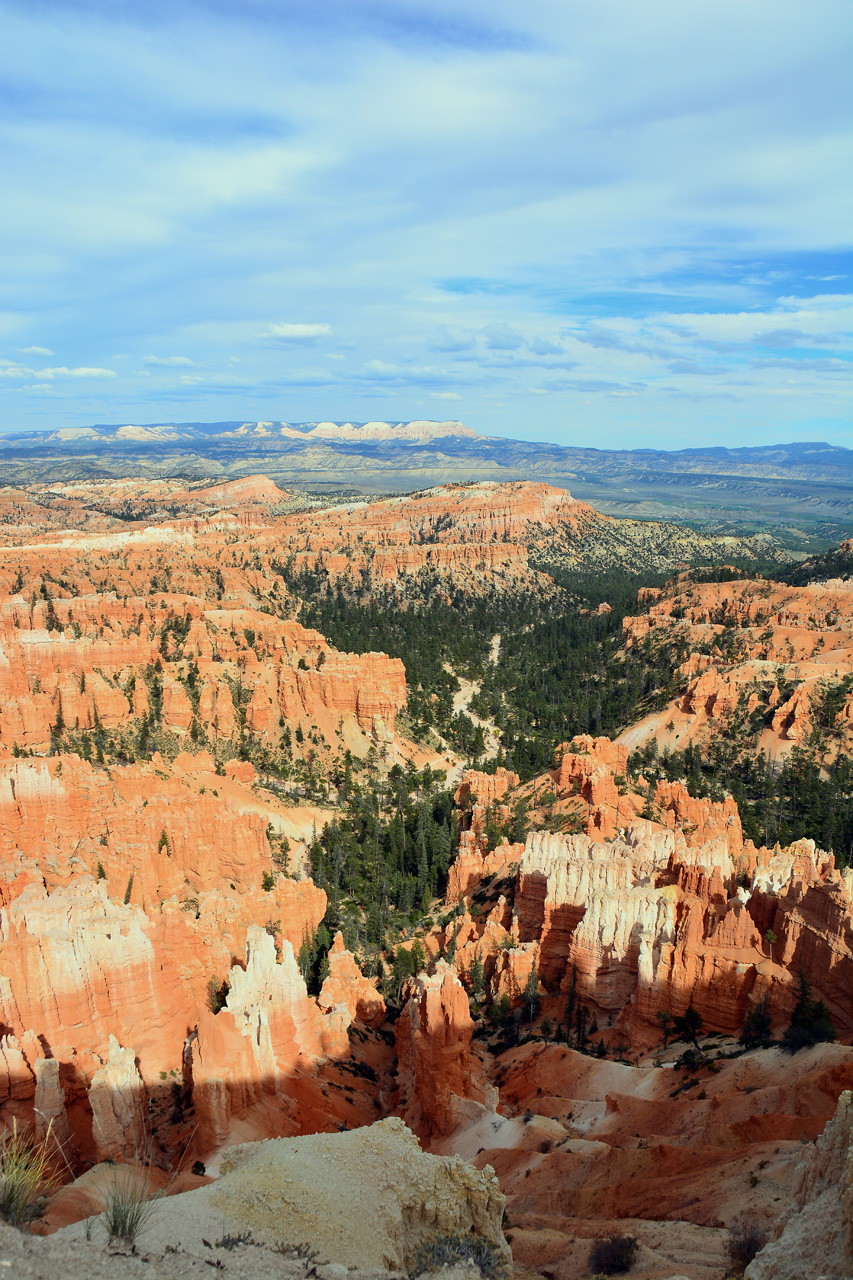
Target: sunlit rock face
<point x="665" y="911"/>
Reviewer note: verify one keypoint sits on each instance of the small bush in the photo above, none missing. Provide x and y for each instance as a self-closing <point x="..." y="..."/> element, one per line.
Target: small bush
<point x="613" y="1256"/>
<point x="810" y="1022"/>
<point x="301" y="1252"/>
<point x="234" y="1241"/>
<point x="127" y="1204"/>
<point x="445" y="1251"/>
<point x="746" y="1239"/>
<point x="198" y="1168"/>
<point x="25" y="1176"/>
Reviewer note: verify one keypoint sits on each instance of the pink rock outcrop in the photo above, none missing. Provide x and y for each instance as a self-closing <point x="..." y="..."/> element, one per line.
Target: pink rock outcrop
<point x="267" y="1037"/>
<point x="346" y="985"/>
<point x="434" y="1052"/>
<point x="119" y="1107"/>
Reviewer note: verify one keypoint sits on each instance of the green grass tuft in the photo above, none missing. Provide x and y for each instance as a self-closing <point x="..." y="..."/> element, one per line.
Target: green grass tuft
<point x="25" y="1175"/>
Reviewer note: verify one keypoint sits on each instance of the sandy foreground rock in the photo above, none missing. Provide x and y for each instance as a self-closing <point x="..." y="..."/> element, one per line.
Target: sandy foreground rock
<point x="30" y="1258"/>
<point x="364" y="1199"/>
<point x="817" y="1236"/>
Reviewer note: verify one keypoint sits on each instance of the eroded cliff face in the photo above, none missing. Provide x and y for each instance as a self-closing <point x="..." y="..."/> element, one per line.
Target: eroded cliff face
<point x="436" y="1070"/>
<point x="155" y="831"/>
<point x="815" y="1235"/>
<point x="109" y="1034"/>
<point x="671" y="911"/>
<point x="268" y="1033"/>
<point x="762" y="657"/>
<point x="110" y="666"/>
<point x="141" y="863"/>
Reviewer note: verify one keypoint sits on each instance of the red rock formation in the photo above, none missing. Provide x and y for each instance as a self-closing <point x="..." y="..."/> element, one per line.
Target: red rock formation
<point x="181" y="831"/>
<point x="699" y="820"/>
<point x="652" y="921"/>
<point x="587" y="1148"/>
<point x="593" y="770"/>
<point x="434" y="1052"/>
<point x="52" y="680"/>
<point x="119" y="1107"/>
<point x="251" y="1046"/>
<point x="478" y="798"/>
<point x="346" y="985"/>
<point x="805" y="633"/>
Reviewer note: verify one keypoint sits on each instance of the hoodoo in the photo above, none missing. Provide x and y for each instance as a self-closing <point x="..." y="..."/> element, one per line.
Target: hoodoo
<point x="309" y="829"/>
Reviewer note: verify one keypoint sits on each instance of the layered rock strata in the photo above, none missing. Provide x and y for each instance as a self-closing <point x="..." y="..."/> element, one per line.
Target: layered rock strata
<point x="671" y="911"/>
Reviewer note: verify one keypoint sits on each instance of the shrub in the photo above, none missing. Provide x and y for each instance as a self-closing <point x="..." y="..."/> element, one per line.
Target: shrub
<point x="613" y="1256"/>
<point x="217" y="994"/>
<point x="445" y="1251"/>
<point x="25" y="1176"/>
<point x="757" y="1025"/>
<point x="127" y="1203"/>
<point x="746" y="1239"/>
<point x="810" y="1021"/>
<point x="198" y="1168"/>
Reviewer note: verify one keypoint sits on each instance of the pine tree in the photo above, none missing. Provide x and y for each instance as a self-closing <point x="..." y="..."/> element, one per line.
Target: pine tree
<point x="477" y="977"/>
<point x="810" y="1021"/>
<point x="531" y="992"/>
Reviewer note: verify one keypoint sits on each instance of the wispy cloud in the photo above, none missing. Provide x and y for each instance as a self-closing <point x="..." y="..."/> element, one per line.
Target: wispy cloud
<point x="502" y="337"/>
<point x="300" y="332"/>
<point x="59" y="371"/>
<point x="544" y="209"/>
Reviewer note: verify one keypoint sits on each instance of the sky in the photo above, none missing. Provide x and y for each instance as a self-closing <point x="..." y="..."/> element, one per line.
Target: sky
<point x="610" y="224"/>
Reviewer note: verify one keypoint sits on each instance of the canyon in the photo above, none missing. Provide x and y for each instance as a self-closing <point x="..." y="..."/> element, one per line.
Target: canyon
<point x="175" y="748"/>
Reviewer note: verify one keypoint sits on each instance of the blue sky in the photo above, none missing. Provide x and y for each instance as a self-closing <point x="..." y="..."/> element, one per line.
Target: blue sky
<point x="614" y="224"/>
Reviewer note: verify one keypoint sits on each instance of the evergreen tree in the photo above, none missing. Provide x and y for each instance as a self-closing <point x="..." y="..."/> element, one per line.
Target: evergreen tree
<point x="757" y="1025"/>
<point x="531" y="992"/>
<point x="810" y="1021"/>
<point x="689" y="1025"/>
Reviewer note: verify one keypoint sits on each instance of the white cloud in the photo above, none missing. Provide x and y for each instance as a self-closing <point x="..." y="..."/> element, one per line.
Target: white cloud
<point x="445" y="395"/>
<point x="450" y="337"/>
<point x="35" y="351"/>
<point x="501" y="337"/>
<point x="300" y="332"/>
<point x="11" y="370"/>
<point x="543" y="347"/>
<point x="457" y="183"/>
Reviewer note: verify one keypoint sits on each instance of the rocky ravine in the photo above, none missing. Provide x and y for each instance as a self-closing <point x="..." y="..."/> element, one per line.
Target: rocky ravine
<point x="137" y="885"/>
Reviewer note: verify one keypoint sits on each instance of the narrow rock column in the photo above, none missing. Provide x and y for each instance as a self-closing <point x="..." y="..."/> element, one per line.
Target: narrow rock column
<point x="119" y="1107"/>
<point x="51" y="1116"/>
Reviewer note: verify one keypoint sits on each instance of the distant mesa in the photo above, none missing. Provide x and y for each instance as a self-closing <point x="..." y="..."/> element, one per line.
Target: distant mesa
<point x="415" y="432"/>
<point x="809" y="484"/>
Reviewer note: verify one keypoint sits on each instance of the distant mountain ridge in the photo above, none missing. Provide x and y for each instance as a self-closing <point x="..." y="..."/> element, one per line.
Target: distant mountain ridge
<point x="808" y="481"/>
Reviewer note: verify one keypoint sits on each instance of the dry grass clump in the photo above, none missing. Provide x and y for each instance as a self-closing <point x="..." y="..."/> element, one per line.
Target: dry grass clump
<point x="128" y="1203"/>
<point x="445" y="1251"/>
<point x="26" y="1175"/>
